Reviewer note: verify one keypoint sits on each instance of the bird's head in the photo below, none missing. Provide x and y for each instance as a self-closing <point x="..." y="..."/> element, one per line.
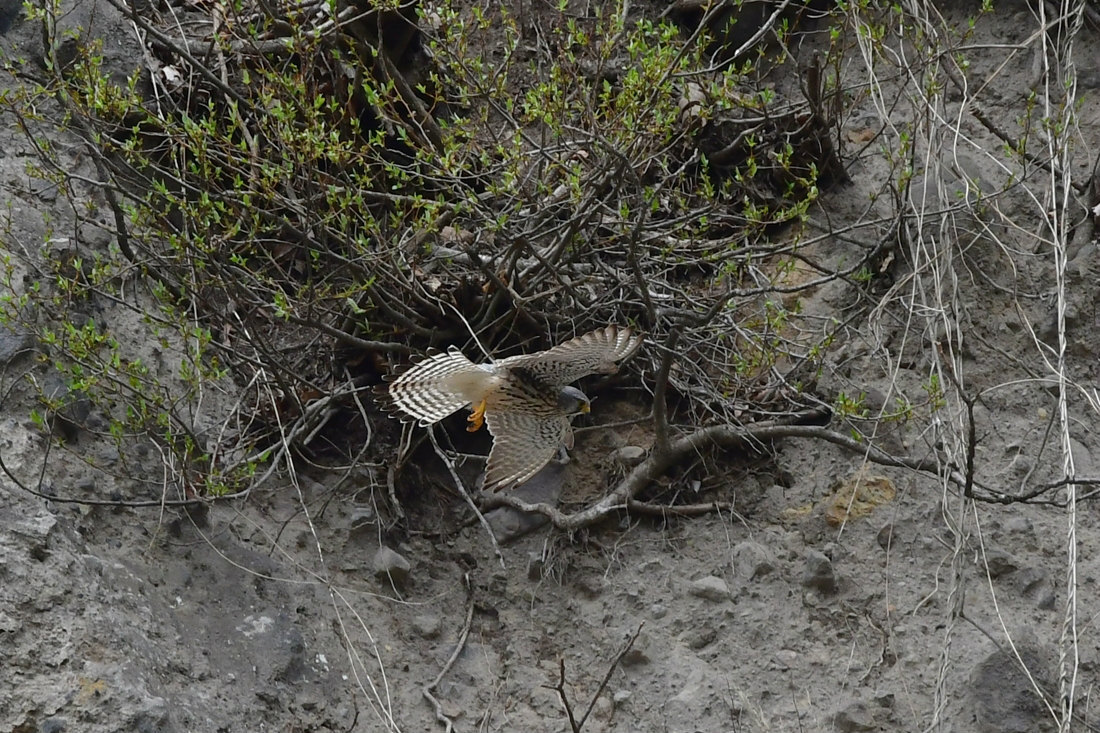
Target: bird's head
<point x="571" y="401"/>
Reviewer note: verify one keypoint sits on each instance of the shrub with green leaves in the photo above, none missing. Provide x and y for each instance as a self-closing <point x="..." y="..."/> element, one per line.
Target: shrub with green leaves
<point x="285" y="196"/>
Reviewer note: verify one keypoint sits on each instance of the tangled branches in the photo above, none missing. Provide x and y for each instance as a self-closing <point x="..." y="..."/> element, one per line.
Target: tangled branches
<point x="309" y="191"/>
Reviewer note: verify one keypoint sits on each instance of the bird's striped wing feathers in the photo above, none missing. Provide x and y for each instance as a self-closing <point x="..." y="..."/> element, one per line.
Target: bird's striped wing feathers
<point x="596" y="352"/>
<point x="522" y="445"/>
<point x="432" y="389"/>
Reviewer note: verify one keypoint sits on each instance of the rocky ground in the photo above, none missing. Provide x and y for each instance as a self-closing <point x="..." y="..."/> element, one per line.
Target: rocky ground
<point x="300" y="609"/>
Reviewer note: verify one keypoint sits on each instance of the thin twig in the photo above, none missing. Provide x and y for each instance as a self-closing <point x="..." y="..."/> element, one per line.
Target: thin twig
<point x="610" y="670"/>
<point x="574" y="724"/>
<point x="466" y="495"/>
<point x="427" y="690"/>
<point x="560" y="689"/>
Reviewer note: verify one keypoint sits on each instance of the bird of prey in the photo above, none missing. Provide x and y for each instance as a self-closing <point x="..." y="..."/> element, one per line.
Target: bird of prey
<point x="525" y="400"/>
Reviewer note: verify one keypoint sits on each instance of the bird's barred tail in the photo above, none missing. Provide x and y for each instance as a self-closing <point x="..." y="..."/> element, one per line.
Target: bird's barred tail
<point x="426" y="392"/>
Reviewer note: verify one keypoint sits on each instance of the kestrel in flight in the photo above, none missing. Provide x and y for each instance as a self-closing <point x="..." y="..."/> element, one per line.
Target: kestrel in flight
<point x="525" y="400"/>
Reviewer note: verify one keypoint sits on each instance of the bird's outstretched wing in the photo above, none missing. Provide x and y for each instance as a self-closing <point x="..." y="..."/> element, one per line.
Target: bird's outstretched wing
<point x="596" y="352"/>
<point x="437" y="386"/>
<point x="522" y="445"/>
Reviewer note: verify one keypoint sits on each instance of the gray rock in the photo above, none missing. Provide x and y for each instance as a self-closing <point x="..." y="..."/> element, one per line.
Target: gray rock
<point x="427" y="625"/>
<point x="1083" y="262"/>
<point x="887" y="536"/>
<point x="752" y="560"/>
<point x="699" y="637"/>
<point x="536" y="565"/>
<point x="152" y="715"/>
<point x="639" y="653"/>
<point x="53" y="725"/>
<point x="361" y="515"/>
<point x="37" y="527"/>
<point x="1048" y="330"/>
<point x="10" y="14"/>
<point x="391" y="567"/>
<point x="362" y="522"/>
<point x="634" y="657"/>
<point x="998" y="562"/>
<point x="818" y="573"/>
<point x="785" y="658"/>
<point x="629" y="456"/>
<point x="1082" y="458"/>
<point x="277" y="645"/>
<point x="544" y="487"/>
<point x="15" y="339"/>
<point x="683" y="709"/>
<point x="1036" y="584"/>
<point x="1002" y="697"/>
<point x="67" y="410"/>
<point x="856" y="716"/>
<point x="1020" y="525"/>
<point x="9" y="625"/>
<point x="710" y="588"/>
<point x="1020" y="466"/>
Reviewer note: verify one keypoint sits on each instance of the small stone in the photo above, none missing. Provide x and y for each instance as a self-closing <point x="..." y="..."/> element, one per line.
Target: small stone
<point x="1036" y="584"/>
<point x="53" y="725"/>
<point x="1001" y="696"/>
<point x="35" y="527"/>
<point x="15" y="339"/>
<point x="361" y="515"/>
<point x="620" y="696"/>
<point x="819" y="574"/>
<point x="699" y="637"/>
<point x="9" y="625"/>
<point x="1021" y="465"/>
<point x="710" y="588"/>
<point x="695" y="694"/>
<point x="544" y="487"/>
<point x="427" y="625"/>
<point x="388" y="565"/>
<point x="752" y="560"/>
<point x="536" y="565"/>
<point x="602" y="707"/>
<point x="886" y="536"/>
<point x="639" y="652"/>
<point x="1048" y="330"/>
<point x="68" y="409"/>
<point x="784" y="658"/>
<point x="854" y="718"/>
<point x="629" y="456"/>
<point x="361" y="522"/>
<point x="658" y="611"/>
<point x="1082" y="459"/>
<point x="590" y="586"/>
<point x="108" y="454"/>
<point x="999" y="562"/>
<point x="311" y="487"/>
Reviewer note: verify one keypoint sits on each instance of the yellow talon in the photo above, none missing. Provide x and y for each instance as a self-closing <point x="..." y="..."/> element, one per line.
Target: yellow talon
<point x="476" y="418"/>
